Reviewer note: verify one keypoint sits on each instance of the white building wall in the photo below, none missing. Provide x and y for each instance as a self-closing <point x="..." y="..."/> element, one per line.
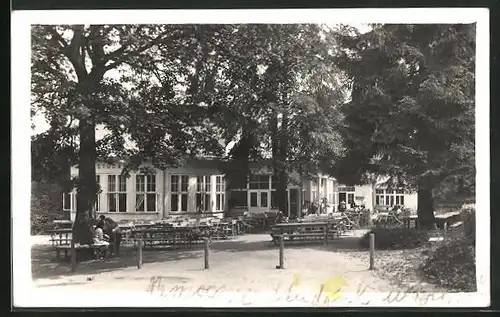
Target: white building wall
<point x="363" y="195"/>
<point x="411" y="201"/>
<point x="103" y="171"/>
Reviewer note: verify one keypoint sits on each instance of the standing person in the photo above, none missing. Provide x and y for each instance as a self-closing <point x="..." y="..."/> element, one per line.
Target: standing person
<point x="110" y="227"/>
<point x="342" y="206"/>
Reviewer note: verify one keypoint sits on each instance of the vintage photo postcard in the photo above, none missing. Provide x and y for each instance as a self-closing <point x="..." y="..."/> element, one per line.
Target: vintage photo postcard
<point x="251" y="158"/>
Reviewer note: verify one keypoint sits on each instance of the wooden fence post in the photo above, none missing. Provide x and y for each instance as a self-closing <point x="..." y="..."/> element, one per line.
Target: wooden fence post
<point x="372" y="250"/>
<point x="139" y="253"/>
<point x="73" y="255"/>
<point x="206" y="254"/>
<point x="326" y="234"/>
<point x="282" y="247"/>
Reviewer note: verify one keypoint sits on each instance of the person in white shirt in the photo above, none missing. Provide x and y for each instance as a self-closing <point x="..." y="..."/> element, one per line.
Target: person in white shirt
<point x="99" y="236"/>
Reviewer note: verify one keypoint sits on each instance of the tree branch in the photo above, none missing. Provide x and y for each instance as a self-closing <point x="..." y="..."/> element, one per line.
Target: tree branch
<point x="58" y="37"/>
<point x="119" y="60"/>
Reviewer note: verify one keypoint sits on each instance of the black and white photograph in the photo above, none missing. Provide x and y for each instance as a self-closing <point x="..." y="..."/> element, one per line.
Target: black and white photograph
<point x="251" y="158"/>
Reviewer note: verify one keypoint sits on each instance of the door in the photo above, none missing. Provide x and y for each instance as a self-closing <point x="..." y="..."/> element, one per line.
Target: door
<point x="294" y="203"/>
<point x="342" y="197"/>
<point x="258" y="199"/>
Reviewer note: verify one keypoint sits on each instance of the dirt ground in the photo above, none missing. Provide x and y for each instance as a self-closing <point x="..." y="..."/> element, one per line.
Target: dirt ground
<point x="241" y="263"/>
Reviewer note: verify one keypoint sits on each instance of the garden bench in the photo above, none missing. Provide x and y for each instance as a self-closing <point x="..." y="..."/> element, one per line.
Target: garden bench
<point x="61" y="241"/>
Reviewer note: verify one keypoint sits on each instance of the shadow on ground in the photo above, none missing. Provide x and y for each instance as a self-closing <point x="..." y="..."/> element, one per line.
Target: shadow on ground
<point x="44" y="264"/>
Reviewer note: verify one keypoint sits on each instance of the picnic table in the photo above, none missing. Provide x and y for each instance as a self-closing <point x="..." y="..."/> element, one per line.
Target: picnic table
<point x="305" y="231"/>
<point x="61" y="241"/>
<point x="442" y="220"/>
<point x="182" y="233"/>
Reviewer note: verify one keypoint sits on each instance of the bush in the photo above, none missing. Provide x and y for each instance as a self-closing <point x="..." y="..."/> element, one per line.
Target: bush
<point x="469" y="221"/>
<point x="453" y="265"/>
<point x="394" y="238"/>
<point x="45" y="207"/>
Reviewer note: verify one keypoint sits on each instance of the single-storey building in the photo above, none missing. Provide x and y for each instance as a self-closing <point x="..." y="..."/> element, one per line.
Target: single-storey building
<point x="200" y="186"/>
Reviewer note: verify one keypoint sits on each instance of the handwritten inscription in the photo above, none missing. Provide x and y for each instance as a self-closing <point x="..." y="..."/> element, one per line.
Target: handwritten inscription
<point x="327" y="293"/>
<point x="400" y="293"/>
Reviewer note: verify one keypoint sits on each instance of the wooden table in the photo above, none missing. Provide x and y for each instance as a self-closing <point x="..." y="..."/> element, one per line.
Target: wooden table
<point x="305" y="230"/>
<point x="443" y="221"/>
<point x="408" y="219"/>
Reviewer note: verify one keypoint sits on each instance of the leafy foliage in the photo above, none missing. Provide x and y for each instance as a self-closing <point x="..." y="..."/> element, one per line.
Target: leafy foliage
<point x="411" y="115"/>
<point x="469" y="223"/>
<point x="453" y="265"/>
<point x="275" y="96"/>
<point x="45" y="207"/>
<point x="394" y="238"/>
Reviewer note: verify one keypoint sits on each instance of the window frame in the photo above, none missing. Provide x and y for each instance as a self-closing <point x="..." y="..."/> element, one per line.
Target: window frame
<point x="180" y="193"/>
<point x="143" y="188"/>
<point x="117" y="192"/>
<point x="390" y="198"/>
<point x="220" y="193"/>
<point x="203" y="191"/>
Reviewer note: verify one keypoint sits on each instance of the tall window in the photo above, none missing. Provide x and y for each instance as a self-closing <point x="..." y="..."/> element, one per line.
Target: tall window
<point x="323" y="190"/>
<point x="346" y="194"/>
<point x="97" y="202"/>
<point x="179" y="185"/>
<point x="117" y="193"/>
<point x="68" y="201"/>
<point x="203" y="193"/>
<point x="379" y="198"/>
<point x="399" y="196"/>
<point x="389" y="197"/>
<point x="146" y="197"/>
<point x="220" y="193"/>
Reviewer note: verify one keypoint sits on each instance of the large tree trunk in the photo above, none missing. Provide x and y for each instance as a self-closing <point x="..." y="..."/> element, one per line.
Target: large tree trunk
<point x="425" y="209"/>
<point x="281" y="165"/>
<point x="86" y="188"/>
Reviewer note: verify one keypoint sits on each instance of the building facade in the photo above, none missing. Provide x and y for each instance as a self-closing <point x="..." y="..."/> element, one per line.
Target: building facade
<point x="199" y="186"/>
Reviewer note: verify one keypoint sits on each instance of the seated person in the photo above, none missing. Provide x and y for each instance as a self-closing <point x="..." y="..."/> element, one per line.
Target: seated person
<point x="99" y="239"/>
<point x="397" y="209"/>
<point x="99" y="236"/>
<point x="280" y="218"/>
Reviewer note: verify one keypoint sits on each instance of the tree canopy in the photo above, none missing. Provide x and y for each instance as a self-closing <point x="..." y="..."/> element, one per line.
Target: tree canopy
<point x="411" y="115"/>
<point x="274" y="91"/>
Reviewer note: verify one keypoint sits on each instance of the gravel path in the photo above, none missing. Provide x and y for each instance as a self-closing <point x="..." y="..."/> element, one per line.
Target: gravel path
<point x="243" y="264"/>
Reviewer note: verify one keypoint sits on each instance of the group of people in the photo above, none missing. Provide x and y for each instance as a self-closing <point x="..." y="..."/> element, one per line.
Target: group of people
<point x="106" y="232"/>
